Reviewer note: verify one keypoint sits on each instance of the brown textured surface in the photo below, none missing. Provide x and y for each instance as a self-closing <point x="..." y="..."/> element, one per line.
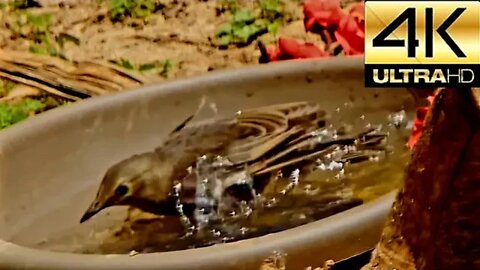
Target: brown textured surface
<point x="435" y="221"/>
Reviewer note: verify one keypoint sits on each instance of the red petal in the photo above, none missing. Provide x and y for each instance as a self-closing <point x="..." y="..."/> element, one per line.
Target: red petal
<point x="417" y="126"/>
<point x="419" y="123"/>
<point x="293" y="49"/>
<point x="326" y="13"/>
<point x="274" y="53"/>
<point x="350" y="36"/>
<point x="414" y="137"/>
<point x="357" y="12"/>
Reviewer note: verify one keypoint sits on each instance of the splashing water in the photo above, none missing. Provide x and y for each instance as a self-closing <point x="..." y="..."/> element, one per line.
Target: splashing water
<point x="214" y="176"/>
<point x="398" y="119"/>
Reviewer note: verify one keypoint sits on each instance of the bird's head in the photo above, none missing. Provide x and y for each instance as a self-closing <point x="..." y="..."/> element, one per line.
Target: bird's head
<point x="138" y="178"/>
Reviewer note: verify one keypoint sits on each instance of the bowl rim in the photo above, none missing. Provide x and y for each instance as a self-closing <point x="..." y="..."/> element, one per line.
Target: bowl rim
<point x="342" y="223"/>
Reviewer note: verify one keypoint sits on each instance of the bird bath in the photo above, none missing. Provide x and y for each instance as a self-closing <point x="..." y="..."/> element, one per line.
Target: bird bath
<point x="50" y="166"/>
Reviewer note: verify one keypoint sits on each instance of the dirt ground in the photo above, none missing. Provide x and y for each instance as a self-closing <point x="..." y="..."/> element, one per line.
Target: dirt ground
<point x="183" y="32"/>
<point x="42" y="48"/>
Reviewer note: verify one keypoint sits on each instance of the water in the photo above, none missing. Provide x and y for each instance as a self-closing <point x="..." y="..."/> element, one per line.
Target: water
<point x="333" y="182"/>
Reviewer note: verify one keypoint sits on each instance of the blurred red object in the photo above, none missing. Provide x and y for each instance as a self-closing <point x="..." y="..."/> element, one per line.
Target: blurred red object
<point x="292" y="49"/>
<point x="351" y="30"/>
<point x="419" y="123"/>
<point x="324" y="13"/>
<point x="346" y="25"/>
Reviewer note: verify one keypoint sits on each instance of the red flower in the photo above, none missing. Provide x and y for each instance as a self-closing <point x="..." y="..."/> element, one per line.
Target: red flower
<point x="419" y="123"/>
<point x="325" y="13"/>
<point x="350" y="36"/>
<point x="292" y="49"/>
<point x="357" y="12"/>
<point x="351" y="30"/>
<point x="347" y="25"/>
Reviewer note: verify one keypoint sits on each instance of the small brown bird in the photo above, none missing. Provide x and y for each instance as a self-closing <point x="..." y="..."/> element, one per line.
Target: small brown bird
<point x="262" y="140"/>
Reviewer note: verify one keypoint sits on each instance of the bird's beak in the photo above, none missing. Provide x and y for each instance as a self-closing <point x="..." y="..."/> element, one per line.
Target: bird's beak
<point x="94" y="208"/>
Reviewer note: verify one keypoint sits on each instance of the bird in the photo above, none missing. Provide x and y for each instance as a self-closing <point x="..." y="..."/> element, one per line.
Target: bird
<point x="258" y="141"/>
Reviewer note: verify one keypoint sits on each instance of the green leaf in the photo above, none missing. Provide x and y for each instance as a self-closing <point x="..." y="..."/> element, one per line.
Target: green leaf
<point x="40" y="23"/>
<point x="32" y="105"/>
<point x="225" y="40"/>
<point x="143" y="9"/>
<point x="115" y="4"/>
<point x="168" y="65"/>
<point x="14" y="113"/>
<point x="225" y="29"/>
<point x="246" y="25"/>
<point x="5" y="87"/>
<point x="274" y="26"/>
<point x="38" y="49"/>
<point x="262" y="23"/>
<point x="243" y="16"/>
<point x="229" y="4"/>
<point x="244" y="33"/>
<point x="120" y="9"/>
<point x="147" y="67"/>
<point x="271" y="6"/>
<point x="126" y="64"/>
<point x="44" y="46"/>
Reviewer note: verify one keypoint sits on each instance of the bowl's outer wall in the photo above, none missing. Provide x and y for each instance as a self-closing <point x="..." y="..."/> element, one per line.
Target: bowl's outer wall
<point x="51" y="165"/>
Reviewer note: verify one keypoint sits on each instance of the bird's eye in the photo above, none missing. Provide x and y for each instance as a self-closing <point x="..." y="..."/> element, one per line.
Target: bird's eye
<point x="121" y="190"/>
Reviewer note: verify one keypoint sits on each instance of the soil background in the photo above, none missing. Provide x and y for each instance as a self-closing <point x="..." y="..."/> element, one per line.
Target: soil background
<point x="183" y="32"/>
<point x="181" y="35"/>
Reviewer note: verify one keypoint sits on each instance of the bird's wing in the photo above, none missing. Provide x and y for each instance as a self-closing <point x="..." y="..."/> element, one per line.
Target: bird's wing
<point x="367" y="144"/>
<point x="265" y="138"/>
<point x="266" y="128"/>
<point x="250" y="136"/>
<point x="285" y="136"/>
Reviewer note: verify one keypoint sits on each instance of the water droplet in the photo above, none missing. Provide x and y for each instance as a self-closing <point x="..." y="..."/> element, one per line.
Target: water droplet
<point x="213" y="107"/>
<point x="330" y="166"/>
<point x="409" y="125"/>
<point x="397" y="119"/>
<point x="243" y="230"/>
<point x="133" y="253"/>
<point x="340" y="175"/>
<point x="348" y="104"/>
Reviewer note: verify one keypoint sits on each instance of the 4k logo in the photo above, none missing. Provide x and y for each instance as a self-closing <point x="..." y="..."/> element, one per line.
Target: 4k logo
<point x="409" y="17"/>
<point x="422" y="43"/>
